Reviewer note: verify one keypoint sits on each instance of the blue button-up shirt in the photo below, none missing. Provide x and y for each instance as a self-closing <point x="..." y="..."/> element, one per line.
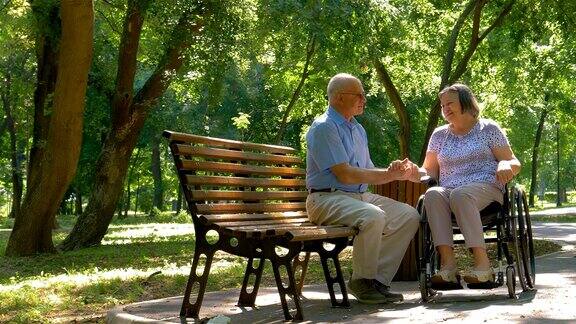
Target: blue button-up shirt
<point x="333" y="140"/>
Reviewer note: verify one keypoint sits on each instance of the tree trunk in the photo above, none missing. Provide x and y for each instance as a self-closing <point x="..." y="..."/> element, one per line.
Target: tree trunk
<point x="77" y="201"/>
<point x="17" y="183"/>
<point x="157" y="174"/>
<point x="396" y="100"/>
<point x="32" y="232"/>
<point x="137" y="194"/>
<point x="46" y="56"/>
<point x="129" y="113"/>
<point x="179" y="201"/>
<point x="535" y="151"/>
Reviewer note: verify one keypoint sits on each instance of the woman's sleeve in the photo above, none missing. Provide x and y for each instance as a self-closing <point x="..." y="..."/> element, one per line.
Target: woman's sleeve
<point x="434" y="143"/>
<point x="495" y="136"/>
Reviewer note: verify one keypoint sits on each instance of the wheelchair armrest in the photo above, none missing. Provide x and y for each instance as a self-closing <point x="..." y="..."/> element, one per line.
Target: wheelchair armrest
<point x="428" y="180"/>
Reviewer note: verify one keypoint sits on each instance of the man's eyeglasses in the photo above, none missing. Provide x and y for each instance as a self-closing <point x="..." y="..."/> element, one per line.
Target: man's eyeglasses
<point x="359" y="95"/>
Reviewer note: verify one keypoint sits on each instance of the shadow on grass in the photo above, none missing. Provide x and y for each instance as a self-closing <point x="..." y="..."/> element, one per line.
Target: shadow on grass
<point x="138" y="255"/>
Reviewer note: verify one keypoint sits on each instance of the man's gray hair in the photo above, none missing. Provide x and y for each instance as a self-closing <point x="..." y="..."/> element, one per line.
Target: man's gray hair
<point x="339" y="82"/>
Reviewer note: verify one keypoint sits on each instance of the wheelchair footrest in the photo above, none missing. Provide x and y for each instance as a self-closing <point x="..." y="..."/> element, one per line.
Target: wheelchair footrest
<point x="446" y="286"/>
<point x="484" y="285"/>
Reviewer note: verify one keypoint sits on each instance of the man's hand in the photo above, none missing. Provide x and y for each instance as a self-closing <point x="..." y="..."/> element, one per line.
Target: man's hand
<point x="504" y="172"/>
<point x="405" y="170"/>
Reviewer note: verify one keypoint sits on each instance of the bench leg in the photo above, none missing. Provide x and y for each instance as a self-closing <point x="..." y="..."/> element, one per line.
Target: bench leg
<point x="303" y="265"/>
<point x="196" y="282"/>
<point x="248" y="299"/>
<point x="325" y="255"/>
<point x="290" y="289"/>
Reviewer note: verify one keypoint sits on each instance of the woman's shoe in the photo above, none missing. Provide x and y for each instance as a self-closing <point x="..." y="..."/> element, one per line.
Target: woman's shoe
<point x="479" y="276"/>
<point x="446" y="276"/>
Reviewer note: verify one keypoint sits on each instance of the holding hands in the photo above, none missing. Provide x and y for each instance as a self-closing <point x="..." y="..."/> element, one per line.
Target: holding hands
<point x="405" y="170"/>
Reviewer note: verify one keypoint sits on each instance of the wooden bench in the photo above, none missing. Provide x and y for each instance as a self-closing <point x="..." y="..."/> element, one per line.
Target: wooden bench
<point x="248" y="200"/>
<point x="406" y="192"/>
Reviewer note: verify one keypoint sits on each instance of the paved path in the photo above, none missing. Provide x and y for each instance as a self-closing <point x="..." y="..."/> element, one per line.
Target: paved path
<point x="560" y="211"/>
<point x="554" y="301"/>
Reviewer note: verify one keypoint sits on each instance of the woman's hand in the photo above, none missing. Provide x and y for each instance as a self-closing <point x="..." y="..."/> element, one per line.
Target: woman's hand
<point x="405" y="170"/>
<point x="504" y="172"/>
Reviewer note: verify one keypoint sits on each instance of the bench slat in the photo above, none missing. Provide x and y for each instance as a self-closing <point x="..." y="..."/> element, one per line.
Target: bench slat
<point x="245" y="224"/>
<point x="244" y="182"/>
<point x="241" y="168"/>
<point x="249" y="217"/>
<point x="249" y="208"/>
<point x="247" y="195"/>
<point x="322" y="233"/>
<point x="216" y="153"/>
<point x="303" y="233"/>
<point x="189" y="138"/>
<point x="272" y="230"/>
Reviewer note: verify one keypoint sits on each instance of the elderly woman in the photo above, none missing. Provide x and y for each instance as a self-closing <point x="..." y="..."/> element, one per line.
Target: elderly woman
<point x="472" y="160"/>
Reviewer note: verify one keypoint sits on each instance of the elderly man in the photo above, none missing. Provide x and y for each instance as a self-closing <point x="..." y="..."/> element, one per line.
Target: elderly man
<point x="338" y="172"/>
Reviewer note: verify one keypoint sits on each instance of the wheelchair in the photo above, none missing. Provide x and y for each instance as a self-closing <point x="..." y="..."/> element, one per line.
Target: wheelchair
<point x="511" y="222"/>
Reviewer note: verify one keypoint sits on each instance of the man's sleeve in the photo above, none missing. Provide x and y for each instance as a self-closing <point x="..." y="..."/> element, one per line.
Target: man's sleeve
<point x="327" y="149"/>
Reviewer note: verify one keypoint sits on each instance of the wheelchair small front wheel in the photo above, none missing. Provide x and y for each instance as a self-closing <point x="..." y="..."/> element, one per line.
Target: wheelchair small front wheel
<point x="425" y="291"/>
<point x="511" y="281"/>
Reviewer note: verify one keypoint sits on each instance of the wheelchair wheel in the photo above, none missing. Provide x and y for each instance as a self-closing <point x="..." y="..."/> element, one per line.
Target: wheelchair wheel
<point x="514" y="238"/>
<point x="427" y="258"/>
<point x="526" y="241"/>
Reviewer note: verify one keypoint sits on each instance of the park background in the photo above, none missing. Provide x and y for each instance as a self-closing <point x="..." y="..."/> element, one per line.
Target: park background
<point x="91" y="214"/>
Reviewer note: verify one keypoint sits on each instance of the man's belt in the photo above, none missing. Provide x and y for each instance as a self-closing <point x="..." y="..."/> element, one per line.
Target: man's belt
<point x="331" y="190"/>
<point x="322" y="190"/>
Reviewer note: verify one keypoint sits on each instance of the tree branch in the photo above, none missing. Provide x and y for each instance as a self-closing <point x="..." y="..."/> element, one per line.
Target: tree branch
<point x="190" y="23"/>
<point x="498" y="21"/>
<point x="5" y="5"/>
<point x="296" y="94"/>
<point x="124" y="88"/>
<point x="399" y="107"/>
<point x="114" y="29"/>
<point x="450" y="51"/>
<point x="475" y="41"/>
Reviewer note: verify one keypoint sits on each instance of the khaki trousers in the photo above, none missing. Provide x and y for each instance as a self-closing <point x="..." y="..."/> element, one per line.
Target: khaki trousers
<point x="385" y="226"/>
<point x="465" y="202"/>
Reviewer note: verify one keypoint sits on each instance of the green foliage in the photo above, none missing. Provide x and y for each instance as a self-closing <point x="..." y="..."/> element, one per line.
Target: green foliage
<point x="240" y="75"/>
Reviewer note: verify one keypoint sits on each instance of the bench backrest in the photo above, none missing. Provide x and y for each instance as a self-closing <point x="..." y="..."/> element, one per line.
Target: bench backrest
<point x="227" y="181"/>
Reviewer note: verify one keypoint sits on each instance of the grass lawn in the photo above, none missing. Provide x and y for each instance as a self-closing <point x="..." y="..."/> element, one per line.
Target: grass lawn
<point x="139" y="259"/>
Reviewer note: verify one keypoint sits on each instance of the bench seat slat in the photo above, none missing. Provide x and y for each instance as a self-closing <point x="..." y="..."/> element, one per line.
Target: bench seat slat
<point x="247" y="224"/>
<point x="322" y="233"/>
<point x="249" y="208"/>
<point x="251" y="217"/>
<point x="244" y="182"/>
<point x="223" y="154"/>
<point x="297" y="233"/>
<point x="190" y="165"/>
<point x="282" y="230"/>
<point x="199" y="195"/>
<point x="190" y="138"/>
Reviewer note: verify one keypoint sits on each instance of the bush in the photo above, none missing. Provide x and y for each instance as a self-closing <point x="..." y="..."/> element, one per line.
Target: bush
<point x="169" y="217"/>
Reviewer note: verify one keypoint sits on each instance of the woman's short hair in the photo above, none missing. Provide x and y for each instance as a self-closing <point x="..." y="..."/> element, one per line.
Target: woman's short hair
<point x="467" y="100"/>
<point x="339" y="82"/>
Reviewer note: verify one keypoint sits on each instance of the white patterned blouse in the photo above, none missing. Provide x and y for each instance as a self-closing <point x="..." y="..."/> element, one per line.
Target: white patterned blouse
<point x="465" y="159"/>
